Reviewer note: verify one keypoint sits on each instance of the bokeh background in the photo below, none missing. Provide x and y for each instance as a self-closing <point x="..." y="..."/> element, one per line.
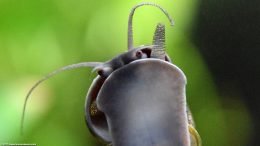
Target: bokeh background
<point x="215" y="42"/>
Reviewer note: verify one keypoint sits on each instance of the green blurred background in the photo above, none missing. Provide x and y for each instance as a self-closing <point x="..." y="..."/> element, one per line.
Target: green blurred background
<point x="37" y="37"/>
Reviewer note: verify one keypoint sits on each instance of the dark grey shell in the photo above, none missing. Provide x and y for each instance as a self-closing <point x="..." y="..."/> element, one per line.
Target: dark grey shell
<point x="148" y="106"/>
<point x="159" y="88"/>
<point x="169" y="81"/>
<point x="96" y="119"/>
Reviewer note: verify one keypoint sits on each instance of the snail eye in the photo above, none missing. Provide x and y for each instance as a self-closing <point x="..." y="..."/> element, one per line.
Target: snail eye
<point x="104" y="72"/>
<point x="100" y="72"/>
<point x="139" y="54"/>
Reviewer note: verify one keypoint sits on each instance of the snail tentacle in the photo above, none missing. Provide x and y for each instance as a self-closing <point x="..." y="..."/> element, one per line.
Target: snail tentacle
<point x="68" y="67"/>
<point x="130" y="21"/>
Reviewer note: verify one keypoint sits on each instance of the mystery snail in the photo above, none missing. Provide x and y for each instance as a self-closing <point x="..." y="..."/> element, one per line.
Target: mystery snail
<point x="136" y="96"/>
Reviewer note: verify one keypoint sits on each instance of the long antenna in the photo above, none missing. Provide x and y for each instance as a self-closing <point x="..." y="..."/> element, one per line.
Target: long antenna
<point x="69" y="67"/>
<point x="130" y="21"/>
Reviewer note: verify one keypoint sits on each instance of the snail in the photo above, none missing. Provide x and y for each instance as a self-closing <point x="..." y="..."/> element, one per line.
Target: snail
<point x="139" y="58"/>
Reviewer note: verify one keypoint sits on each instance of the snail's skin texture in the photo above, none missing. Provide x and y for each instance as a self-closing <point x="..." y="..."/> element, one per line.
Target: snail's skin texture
<point x="105" y="69"/>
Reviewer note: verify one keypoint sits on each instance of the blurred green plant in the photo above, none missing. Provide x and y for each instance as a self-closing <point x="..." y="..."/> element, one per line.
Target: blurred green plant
<point x="37" y="37"/>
